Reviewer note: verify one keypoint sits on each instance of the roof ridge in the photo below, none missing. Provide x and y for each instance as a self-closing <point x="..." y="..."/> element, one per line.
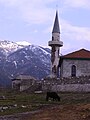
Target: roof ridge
<point x="82" y="53"/>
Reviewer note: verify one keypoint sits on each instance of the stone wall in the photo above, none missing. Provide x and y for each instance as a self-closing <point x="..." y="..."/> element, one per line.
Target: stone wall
<point x="71" y="88"/>
<point x="75" y="84"/>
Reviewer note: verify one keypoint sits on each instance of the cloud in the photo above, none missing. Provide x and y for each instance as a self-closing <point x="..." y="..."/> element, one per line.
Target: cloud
<point x="9" y="2"/>
<point x="32" y="12"/>
<point x="41" y="12"/>
<point x="74" y="37"/>
<point x="78" y="3"/>
<point x="72" y="32"/>
<point x="78" y="33"/>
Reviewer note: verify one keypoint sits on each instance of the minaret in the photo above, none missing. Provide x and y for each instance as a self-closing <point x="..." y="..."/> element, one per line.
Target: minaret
<point x="55" y="46"/>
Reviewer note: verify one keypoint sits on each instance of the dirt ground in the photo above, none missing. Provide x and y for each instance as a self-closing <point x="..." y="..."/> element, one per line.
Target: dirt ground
<point x="61" y="112"/>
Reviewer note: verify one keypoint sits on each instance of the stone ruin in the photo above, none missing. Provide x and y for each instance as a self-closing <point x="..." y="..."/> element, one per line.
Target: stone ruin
<point x="79" y="84"/>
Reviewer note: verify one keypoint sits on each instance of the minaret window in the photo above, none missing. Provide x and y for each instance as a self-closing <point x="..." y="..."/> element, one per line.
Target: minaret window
<point x="73" y="71"/>
<point x="58" y="52"/>
<point x="52" y="38"/>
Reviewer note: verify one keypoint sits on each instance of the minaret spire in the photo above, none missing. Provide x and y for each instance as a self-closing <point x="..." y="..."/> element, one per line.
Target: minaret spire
<point x="56" y="28"/>
<point x="55" y="45"/>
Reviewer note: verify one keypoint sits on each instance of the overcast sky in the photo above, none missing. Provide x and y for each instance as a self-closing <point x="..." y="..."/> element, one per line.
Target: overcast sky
<point x="32" y="21"/>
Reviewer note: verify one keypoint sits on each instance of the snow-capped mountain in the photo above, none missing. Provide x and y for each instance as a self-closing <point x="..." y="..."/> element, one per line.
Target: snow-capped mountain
<point x="23" y="43"/>
<point x="31" y="60"/>
<point x="28" y="60"/>
<point x="9" y="46"/>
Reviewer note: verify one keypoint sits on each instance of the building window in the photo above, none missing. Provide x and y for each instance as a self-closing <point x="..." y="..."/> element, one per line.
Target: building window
<point x="73" y="71"/>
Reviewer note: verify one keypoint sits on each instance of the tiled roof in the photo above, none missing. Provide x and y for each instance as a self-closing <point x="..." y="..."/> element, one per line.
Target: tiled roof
<point x="82" y="54"/>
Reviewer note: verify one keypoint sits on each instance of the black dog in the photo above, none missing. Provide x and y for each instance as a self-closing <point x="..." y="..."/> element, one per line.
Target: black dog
<point x="52" y="95"/>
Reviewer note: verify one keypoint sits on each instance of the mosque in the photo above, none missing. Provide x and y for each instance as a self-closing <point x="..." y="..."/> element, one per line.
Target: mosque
<point x="74" y="64"/>
<point x="73" y="69"/>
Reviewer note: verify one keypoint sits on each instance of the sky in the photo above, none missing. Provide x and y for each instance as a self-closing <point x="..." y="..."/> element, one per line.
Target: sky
<point x="32" y="21"/>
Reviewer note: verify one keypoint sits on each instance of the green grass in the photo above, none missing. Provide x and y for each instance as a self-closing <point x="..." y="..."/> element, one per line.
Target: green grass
<point x="37" y="101"/>
<point x="75" y="98"/>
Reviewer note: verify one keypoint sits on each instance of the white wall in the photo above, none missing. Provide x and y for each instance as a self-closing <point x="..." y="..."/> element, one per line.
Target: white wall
<point x="82" y="67"/>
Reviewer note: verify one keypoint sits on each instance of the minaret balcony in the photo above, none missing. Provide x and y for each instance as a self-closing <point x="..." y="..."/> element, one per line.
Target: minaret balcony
<point x="55" y="43"/>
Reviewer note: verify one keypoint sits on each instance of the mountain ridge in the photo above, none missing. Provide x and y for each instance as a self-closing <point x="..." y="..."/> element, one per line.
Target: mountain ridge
<point x="29" y="60"/>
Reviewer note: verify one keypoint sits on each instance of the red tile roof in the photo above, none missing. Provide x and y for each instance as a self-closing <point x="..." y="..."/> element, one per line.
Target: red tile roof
<point x="82" y="53"/>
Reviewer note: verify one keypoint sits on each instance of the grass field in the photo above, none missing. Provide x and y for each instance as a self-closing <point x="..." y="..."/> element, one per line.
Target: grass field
<point x="23" y="102"/>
